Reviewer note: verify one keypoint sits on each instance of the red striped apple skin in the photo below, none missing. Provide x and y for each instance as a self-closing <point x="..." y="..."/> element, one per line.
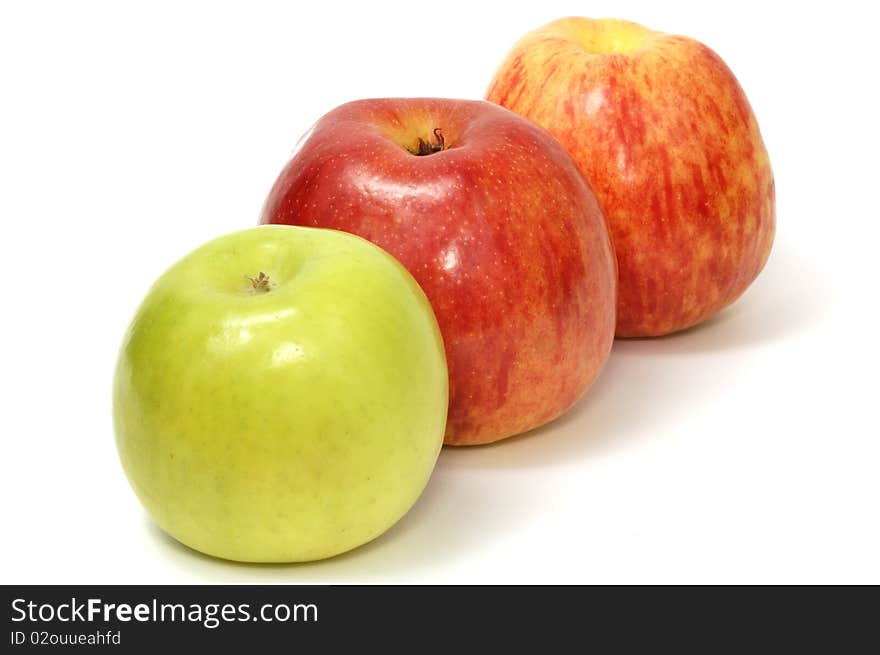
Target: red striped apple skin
<point x="661" y="129"/>
<point x="500" y="230"/>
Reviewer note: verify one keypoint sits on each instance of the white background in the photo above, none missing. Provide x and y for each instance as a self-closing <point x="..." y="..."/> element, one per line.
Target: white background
<point x="742" y="451"/>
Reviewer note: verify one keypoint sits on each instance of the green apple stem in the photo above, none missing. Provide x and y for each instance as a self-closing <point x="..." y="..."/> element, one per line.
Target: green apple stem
<point x="427" y="148"/>
<point x="259" y="283"/>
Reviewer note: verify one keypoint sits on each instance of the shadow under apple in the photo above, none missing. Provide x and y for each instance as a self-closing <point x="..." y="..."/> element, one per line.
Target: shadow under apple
<point x="788" y="296"/>
<point x="650" y="385"/>
<point x="460" y="512"/>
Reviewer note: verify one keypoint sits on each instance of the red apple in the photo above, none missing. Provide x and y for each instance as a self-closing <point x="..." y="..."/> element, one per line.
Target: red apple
<point x="494" y="220"/>
<point x="666" y="138"/>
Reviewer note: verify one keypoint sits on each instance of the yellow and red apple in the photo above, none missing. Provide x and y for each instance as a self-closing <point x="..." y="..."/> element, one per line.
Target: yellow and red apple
<point x="493" y="219"/>
<point x="661" y="129"/>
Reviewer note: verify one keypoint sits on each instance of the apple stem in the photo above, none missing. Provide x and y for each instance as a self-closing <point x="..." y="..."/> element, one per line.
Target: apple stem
<point x="426" y="148"/>
<point x="259" y="283"/>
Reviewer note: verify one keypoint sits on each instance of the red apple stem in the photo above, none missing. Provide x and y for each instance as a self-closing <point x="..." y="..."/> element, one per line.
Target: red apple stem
<point x="427" y="148"/>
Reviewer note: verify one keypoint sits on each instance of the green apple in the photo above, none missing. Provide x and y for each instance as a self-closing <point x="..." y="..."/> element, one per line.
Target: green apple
<point x="281" y="395"/>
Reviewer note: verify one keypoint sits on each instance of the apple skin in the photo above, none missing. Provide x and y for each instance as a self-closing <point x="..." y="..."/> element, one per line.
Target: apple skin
<point x="665" y="135"/>
<point x="501" y="231"/>
<point x="284" y="425"/>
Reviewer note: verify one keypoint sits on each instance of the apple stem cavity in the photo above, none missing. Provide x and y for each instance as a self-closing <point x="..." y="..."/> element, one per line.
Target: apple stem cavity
<point x="429" y="148"/>
<point x="260" y="283"/>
